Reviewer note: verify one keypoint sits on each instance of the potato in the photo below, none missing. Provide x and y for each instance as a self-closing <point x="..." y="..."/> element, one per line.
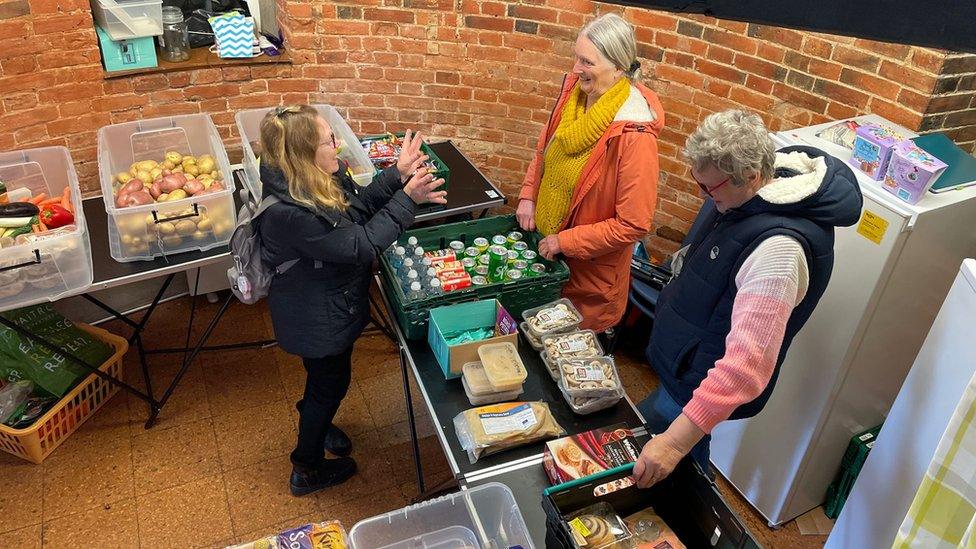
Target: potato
<point x="173" y="157"/>
<point x="168" y="165"/>
<point x="205" y="180"/>
<point x="123" y="177"/>
<point x="138" y="198"/>
<point x="172" y="240"/>
<point x="120" y="200"/>
<point x="188" y="160"/>
<point x="125" y="239"/>
<point x="156" y="172"/>
<point x="144" y="176"/>
<point x="147" y="165"/>
<point x="193" y="186"/>
<point x="206" y="164"/>
<point x="155" y="190"/>
<point x="191" y="169"/>
<point x="131" y="187"/>
<point x="205" y="224"/>
<point x="178" y="169"/>
<point x="178" y="194"/>
<point x="200" y="236"/>
<point x="162" y="197"/>
<point x="149" y="220"/>
<point x="166" y="228"/>
<point x="185" y="227"/>
<point x="133" y="170"/>
<point x="171" y="182"/>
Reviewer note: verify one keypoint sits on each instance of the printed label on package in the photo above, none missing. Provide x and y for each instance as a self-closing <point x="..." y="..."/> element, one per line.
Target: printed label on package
<point x="552" y="316"/>
<point x="572" y="345"/>
<point x="519" y="418"/>
<point x="589" y="372"/>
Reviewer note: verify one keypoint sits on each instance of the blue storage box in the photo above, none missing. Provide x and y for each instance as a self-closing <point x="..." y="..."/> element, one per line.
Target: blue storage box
<point x="467" y="316"/>
<point x="125" y="55"/>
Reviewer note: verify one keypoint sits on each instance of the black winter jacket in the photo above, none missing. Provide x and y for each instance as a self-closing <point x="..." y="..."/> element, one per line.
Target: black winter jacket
<point x="320" y="305"/>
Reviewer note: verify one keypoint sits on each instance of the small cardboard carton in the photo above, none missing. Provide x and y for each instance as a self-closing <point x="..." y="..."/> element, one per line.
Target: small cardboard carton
<point x="467" y="316"/>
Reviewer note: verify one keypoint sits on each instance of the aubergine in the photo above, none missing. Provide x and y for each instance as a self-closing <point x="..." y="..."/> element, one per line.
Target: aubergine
<point x="19" y="209"/>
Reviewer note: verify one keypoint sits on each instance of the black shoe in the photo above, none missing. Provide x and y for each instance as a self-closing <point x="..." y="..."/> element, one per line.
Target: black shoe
<point x="337" y="442"/>
<point x="331" y="472"/>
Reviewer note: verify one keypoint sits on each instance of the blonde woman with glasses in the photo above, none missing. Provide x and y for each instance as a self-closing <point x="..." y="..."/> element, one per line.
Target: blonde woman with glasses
<point x="336" y="230"/>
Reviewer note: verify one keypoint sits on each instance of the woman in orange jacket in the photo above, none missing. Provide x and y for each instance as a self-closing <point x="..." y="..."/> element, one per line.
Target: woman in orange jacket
<point x="592" y="185"/>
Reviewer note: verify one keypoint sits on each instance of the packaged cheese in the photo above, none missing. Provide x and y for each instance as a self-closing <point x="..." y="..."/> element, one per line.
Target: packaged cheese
<point x="489" y="429"/>
<point x="503" y="366"/>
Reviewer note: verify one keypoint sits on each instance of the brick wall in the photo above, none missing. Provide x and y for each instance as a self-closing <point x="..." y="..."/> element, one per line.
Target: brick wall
<point x="482" y="72"/>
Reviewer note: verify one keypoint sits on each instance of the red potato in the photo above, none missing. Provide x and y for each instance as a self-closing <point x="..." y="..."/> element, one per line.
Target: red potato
<point x="122" y="198"/>
<point x="193" y="187"/>
<point x="132" y="186"/>
<point x="139" y="198"/>
<point x="155" y="190"/>
<point x="172" y="182"/>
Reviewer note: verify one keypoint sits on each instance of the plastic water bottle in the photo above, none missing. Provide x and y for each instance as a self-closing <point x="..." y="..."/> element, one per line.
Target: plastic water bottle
<point x="405" y="267"/>
<point x="415" y="291"/>
<point x="397" y="256"/>
<point x="426" y="263"/>
<point x="412" y="276"/>
<point x="418" y="255"/>
<point x="434" y="288"/>
<point x="431" y="273"/>
<point x="411" y="245"/>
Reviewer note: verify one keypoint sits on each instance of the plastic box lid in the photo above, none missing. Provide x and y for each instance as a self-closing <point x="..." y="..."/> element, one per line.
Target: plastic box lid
<point x="489" y="511"/>
<point x="560" y="312"/>
<point x="502" y="366"/>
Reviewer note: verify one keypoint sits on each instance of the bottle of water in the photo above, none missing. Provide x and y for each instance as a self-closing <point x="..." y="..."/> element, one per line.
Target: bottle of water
<point x="415" y="292"/>
<point x="397" y="256"/>
<point x="431" y="273"/>
<point x="411" y="245"/>
<point x="434" y="288"/>
<point x="418" y="255"/>
<point x="405" y="267"/>
<point x="426" y="263"/>
<point x="412" y="276"/>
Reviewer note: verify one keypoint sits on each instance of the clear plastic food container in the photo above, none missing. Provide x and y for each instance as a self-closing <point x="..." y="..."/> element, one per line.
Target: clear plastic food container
<point x="584" y="405"/>
<point x="44" y="266"/>
<point x="125" y="19"/>
<point x="249" y="125"/>
<point x="578" y="344"/>
<point x="552" y="318"/>
<point x="197" y="222"/>
<point x="479" y="389"/>
<point x="588" y="377"/>
<point x="530" y="336"/>
<point x="502" y="366"/>
<point x="489" y="511"/>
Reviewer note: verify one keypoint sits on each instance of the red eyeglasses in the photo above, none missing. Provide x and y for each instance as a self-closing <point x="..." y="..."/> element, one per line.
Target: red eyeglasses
<point x="710" y="190"/>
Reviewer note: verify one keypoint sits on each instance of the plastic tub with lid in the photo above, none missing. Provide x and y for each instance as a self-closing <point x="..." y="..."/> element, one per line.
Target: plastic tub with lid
<point x="552" y="318"/>
<point x="43" y="266"/>
<point x="489" y="511"/>
<point x="479" y="389"/>
<point x="127" y="19"/>
<point x="502" y="366"/>
<point x="350" y="151"/>
<point x="198" y="222"/>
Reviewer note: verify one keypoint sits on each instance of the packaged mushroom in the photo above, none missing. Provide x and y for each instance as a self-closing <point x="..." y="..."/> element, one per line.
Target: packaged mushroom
<point x="580" y="344"/>
<point x="533" y="339"/>
<point x="588" y="377"/>
<point x="588" y="405"/>
<point x="552" y="318"/>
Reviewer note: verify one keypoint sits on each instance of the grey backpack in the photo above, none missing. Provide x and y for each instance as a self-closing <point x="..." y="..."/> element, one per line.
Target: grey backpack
<point x="250" y="278"/>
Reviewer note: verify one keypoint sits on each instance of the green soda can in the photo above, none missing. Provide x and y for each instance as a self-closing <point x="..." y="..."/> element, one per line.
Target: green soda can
<point x="497" y="263"/>
<point x="537" y="269"/>
<point x="468" y="263"/>
<point x="481" y="270"/>
<point x="521" y="265"/>
<point x="499" y="240"/>
<point x="520" y="246"/>
<point x="483" y="259"/>
<point x="513" y="237"/>
<point x="471" y="251"/>
<point x="513" y="256"/>
<point x="482" y="244"/>
<point x="457" y="246"/>
<point x="529" y="256"/>
<point x="513" y="274"/>
<point x="479" y="280"/>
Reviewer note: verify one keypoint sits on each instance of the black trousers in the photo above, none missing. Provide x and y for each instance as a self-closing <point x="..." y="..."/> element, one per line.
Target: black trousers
<point x="326" y="384"/>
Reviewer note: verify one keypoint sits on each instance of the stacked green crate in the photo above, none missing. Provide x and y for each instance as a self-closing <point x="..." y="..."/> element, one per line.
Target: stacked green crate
<point x="850" y="467"/>
<point x="515" y="295"/>
<point x="440" y="168"/>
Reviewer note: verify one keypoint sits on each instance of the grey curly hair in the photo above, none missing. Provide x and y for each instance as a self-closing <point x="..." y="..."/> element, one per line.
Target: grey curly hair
<point x="736" y="142"/>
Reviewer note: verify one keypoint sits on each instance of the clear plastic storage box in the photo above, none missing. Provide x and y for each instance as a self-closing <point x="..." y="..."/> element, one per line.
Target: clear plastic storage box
<point x="45" y="266"/>
<point x="123" y="19"/>
<point x="488" y="511"/>
<point x="197" y="222"/>
<point x="350" y="151"/>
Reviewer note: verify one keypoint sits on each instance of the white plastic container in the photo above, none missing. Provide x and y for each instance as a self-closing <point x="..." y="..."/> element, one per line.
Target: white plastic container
<point x="489" y="511"/>
<point x="123" y="19"/>
<point x="44" y="267"/>
<point x="479" y="389"/>
<point x="350" y="151"/>
<point x="162" y="228"/>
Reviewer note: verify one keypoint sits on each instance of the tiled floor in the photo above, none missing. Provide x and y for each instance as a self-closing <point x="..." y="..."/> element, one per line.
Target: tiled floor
<point x="214" y="470"/>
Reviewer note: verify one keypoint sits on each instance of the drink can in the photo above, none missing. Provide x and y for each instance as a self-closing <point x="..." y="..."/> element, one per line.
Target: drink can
<point x="521" y="265"/>
<point x="455" y="282"/>
<point x="537" y="269"/>
<point x="482" y="244"/>
<point x="497" y="263"/>
<point x="513" y="237"/>
<point x="468" y="264"/>
<point x="439" y="257"/>
<point x="457" y="246"/>
<point x="483" y="259"/>
<point x="513" y="274"/>
<point x="451" y="267"/>
<point x="471" y="251"/>
<point x="478" y="280"/>
<point x="520" y="246"/>
<point x="499" y="240"/>
<point x="513" y="256"/>
<point x="529" y="255"/>
<point x="481" y="270"/>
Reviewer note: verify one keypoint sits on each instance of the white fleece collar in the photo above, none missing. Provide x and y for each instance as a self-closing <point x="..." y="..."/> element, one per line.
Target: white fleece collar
<point x="635" y="108"/>
<point x="789" y="190"/>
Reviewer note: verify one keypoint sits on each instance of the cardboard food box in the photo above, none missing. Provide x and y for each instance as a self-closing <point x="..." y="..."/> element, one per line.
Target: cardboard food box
<point x="467" y="316"/>
<point x="911" y="172"/>
<point x="872" y="149"/>
<point x="584" y="454"/>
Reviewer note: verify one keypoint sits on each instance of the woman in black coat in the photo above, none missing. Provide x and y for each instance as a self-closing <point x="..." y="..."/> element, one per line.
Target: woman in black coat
<point x="336" y="230"/>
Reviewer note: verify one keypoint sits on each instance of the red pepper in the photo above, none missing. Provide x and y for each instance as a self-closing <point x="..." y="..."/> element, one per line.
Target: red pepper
<point x="55" y="216"/>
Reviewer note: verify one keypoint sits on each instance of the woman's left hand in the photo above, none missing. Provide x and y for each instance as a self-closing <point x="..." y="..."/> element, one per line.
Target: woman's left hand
<point x="656" y="461"/>
<point x="410" y="159"/>
<point x="549" y="247"/>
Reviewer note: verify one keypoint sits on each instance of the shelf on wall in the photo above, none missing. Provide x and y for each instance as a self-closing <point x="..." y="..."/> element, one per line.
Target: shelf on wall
<point x="202" y="58"/>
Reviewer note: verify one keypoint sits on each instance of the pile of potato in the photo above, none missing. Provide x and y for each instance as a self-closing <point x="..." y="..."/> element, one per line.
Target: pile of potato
<point x="177" y="177"/>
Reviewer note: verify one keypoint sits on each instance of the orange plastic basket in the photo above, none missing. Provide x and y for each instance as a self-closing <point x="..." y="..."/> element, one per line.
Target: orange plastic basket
<point x="36" y="442"/>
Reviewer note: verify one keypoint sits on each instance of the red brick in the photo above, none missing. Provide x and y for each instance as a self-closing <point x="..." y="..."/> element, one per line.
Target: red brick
<point x="31" y="134"/>
<point x="838" y="111"/>
<point x="18" y="47"/>
<point x="718" y="88"/>
<point x="28" y="117"/>
<point x="170" y="109"/>
<point x="869" y="83"/>
<point x="720" y="55"/>
<point x="896" y="113"/>
<point x="78" y="124"/>
<point x="354" y="28"/>
<point x="913" y="100"/>
<point x="292" y="85"/>
<point x="682" y="76"/>
<point x="63" y="23"/>
<point x="18" y="65"/>
<point x="855" y="58"/>
<point x="827" y="70"/>
<point x="177" y="79"/>
<point x="771" y="52"/>
<point x="722" y="72"/>
<point x="760" y="84"/>
<point x="532" y="13"/>
<point x="928" y="60"/>
<point x="840" y="93"/>
<point x="489" y="23"/>
<point x="817" y="47"/>
<point x="748" y="98"/>
<point x="733" y="40"/>
<point x="74" y="91"/>
<point x="799" y="97"/>
<point x="887" y="49"/>
<point x="762" y="68"/>
<point x="118" y="102"/>
<point x="253" y="101"/>
<point x="211" y="91"/>
<point x="907" y="77"/>
<point x="787" y="37"/>
<point x="493" y="8"/>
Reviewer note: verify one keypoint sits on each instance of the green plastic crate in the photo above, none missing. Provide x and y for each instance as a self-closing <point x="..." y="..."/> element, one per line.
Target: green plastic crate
<point x="851" y="464"/>
<point x="515" y="295"/>
<point x="442" y="171"/>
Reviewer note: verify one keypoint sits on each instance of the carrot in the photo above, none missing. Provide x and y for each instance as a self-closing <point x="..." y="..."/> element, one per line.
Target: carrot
<point x="38" y="199"/>
<point x="35" y="228"/>
<point x="41" y="225"/>
<point x="66" y="200"/>
<point x="50" y="201"/>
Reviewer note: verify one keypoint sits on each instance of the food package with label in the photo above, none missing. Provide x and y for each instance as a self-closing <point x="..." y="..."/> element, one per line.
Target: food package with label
<point x="588" y="377"/>
<point x="649" y="531"/>
<point x="598" y="527"/>
<point x="479" y="389"/>
<point x="490" y="429"/>
<point x="322" y="535"/>
<point x="911" y="172"/>
<point x="530" y="336"/>
<point x="579" y="344"/>
<point x="590" y="452"/>
<point x="873" y="145"/>
<point x="588" y="405"/>
<point x="552" y="318"/>
<point x="502" y="366"/>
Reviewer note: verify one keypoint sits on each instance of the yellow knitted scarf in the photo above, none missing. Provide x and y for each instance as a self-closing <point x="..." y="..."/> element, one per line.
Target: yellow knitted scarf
<point x="576" y="136"/>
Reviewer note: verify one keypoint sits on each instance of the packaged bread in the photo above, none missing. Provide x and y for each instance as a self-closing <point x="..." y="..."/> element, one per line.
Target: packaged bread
<point x="579" y="344"/>
<point x="530" y="336"/>
<point x="588" y="377"/>
<point x="503" y="366"/>
<point x="558" y="316"/>
<point x="490" y="429"/>
<point x="598" y="527"/>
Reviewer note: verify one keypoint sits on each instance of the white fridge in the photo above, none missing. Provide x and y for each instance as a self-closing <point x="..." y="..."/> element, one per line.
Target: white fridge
<point x="892" y="271"/>
<point x="894" y="469"/>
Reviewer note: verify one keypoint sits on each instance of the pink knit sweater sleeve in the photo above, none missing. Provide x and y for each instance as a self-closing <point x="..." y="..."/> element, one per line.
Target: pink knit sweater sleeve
<point x="771" y="282"/>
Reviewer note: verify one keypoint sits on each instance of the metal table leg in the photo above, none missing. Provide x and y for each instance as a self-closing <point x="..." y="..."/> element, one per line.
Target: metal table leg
<point x="411" y="421"/>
